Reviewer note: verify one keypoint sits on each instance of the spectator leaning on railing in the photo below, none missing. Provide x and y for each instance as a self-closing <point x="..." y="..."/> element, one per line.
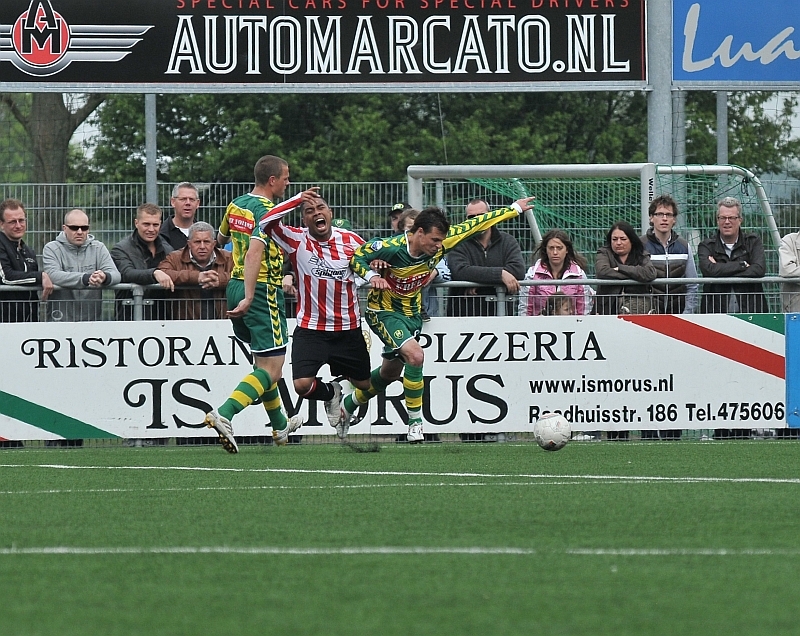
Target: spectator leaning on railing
<point x="492" y="258"/>
<point x="137" y="258"/>
<point x="81" y="266"/>
<point x="18" y="266"/>
<point x="727" y="253"/>
<point x="200" y="272"/>
<point x="789" y="267"/>
<point x="730" y="252"/>
<point x="672" y="257"/>
<point x="623" y="258"/>
<point x="556" y="259"/>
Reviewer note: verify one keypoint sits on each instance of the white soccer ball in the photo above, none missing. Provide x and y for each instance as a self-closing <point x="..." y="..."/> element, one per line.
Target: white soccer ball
<point x="552" y="431"/>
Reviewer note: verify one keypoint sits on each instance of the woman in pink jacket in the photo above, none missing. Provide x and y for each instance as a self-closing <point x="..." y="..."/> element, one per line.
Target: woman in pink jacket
<point x="557" y="260"/>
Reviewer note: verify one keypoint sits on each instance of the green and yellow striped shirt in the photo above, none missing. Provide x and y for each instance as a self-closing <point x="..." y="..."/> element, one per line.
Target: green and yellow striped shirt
<point x="408" y="274"/>
<point x="240" y="224"/>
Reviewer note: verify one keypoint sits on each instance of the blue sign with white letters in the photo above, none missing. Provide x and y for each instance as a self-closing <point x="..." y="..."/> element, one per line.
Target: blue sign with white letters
<point x="793" y="370"/>
<point x="736" y="40"/>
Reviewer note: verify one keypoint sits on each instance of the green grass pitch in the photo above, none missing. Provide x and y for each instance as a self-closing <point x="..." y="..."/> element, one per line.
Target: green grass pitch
<point x="607" y="538"/>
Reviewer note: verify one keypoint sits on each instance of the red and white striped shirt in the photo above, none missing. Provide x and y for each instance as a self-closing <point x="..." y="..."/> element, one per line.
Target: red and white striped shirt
<point x="326" y="286"/>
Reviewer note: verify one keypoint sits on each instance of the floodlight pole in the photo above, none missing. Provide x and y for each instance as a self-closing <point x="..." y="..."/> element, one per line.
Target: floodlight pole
<point x="659" y="79"/>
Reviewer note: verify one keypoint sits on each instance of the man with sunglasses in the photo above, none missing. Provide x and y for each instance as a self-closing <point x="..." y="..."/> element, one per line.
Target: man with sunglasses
<point x="81" y="266"/>
<point x="18" y="266"/>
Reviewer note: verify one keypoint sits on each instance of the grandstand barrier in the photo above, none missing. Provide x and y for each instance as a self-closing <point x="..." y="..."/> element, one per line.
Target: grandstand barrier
<point x="156" y="379"/>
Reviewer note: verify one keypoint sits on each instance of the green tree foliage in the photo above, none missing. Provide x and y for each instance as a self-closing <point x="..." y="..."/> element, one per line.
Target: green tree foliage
<point x="758" y="139"/>
<point x="366" y="137"/>
<point x="16" y="160"/>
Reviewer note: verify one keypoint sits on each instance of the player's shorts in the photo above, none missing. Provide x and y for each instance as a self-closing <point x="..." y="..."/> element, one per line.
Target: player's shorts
<point x="345" y="352"/>
<point x="393" y="329"/>
<point x="263" y="327"/>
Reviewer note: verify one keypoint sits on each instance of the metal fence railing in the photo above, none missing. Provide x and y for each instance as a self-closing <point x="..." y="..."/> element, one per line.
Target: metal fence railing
<point x="134" y="302"/>
<point x="142" y="306"/>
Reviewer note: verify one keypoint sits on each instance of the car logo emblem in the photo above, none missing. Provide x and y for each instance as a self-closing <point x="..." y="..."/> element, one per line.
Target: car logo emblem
<point x="42" y="43"/>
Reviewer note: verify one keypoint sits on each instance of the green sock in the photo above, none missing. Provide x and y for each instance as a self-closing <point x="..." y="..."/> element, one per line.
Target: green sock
<point x="252" y="387"/>
<point x="272" y="404"/>
<point x="360" y="397"/>
<point x="413" y="387"/>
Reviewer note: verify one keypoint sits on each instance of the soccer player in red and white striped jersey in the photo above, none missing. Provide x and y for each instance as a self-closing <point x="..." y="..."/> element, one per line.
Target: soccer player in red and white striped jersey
<point x="328" y="318"/>
<point x="326" y="291"/>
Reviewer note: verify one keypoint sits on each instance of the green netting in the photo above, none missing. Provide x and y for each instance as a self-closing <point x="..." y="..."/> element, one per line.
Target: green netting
<point x="587" y="207"/>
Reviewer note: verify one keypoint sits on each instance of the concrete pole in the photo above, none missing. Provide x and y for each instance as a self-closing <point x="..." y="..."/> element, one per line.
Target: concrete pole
<point x="722" y="128"/>
<point x="679" y="127"/>
<point x="151" y="172"/>
<point x="659" y="100"/>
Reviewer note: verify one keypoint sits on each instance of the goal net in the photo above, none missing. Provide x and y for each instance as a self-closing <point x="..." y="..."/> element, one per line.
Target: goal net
<point x="586" y="200"/>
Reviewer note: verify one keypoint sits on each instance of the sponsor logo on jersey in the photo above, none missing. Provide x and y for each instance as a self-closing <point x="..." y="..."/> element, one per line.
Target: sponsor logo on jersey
<point x="240" y="223"/>
<point x="321" y="269"/>
<point x="376" y="245"/>
<point x="408" y="284"/>
<point x="42" y="43"/>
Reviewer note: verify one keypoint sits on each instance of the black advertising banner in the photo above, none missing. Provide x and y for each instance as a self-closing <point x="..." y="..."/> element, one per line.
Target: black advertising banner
<point x="313" y="44"/>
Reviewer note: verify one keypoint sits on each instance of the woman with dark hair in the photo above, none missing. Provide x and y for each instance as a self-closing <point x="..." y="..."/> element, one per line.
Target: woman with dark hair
<point x="557" y="260"/>
<point x="622" y="258"/>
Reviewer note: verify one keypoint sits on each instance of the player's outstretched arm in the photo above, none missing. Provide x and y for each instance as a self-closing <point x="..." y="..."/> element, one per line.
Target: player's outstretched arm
<point x="367" y="263"/>
<point x="476" y="224"/>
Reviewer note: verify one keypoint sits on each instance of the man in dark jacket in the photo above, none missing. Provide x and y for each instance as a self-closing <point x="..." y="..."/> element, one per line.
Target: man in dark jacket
<point x="672" y="257"/>
<point x="731" y="253"/>
<point x="492" y="258"/>
<point x="137" y="258"/>
<point x="185" y="200"/>
<point x="18" y="266"/>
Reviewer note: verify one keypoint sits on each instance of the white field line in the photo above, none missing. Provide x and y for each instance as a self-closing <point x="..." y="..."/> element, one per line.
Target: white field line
<point x="472" y="484"/>
<point x="612" y="478"/>
<point x="267" y="550"/>
<point x="392" y="550"/>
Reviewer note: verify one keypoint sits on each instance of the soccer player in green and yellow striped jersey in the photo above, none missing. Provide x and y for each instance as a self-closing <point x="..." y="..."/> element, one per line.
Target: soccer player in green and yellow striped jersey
<point x="398" y="268"/>
<point x="241" y="219"/>
<point x="255" y="301"/>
